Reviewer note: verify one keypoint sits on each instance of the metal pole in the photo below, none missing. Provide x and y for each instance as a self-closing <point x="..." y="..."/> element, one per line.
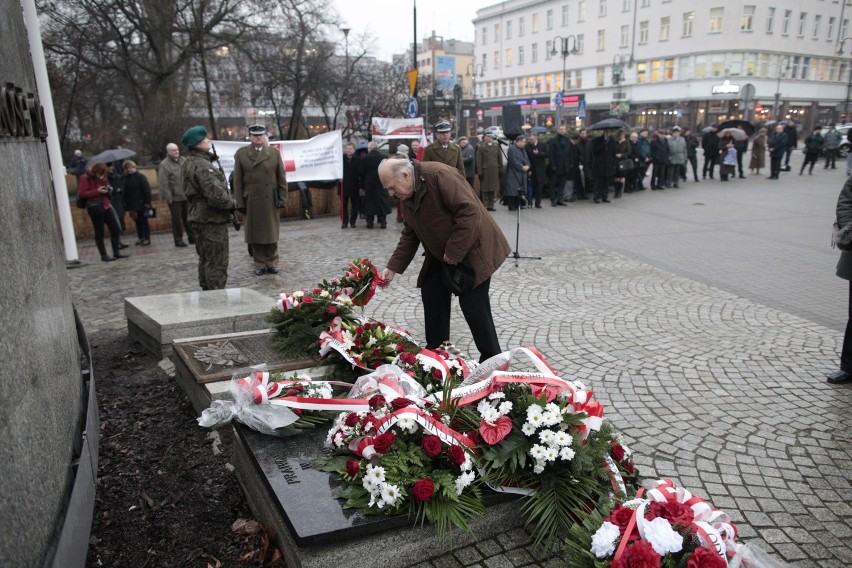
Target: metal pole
<point x="414" y="49"/>
<point x="562" y="85"/>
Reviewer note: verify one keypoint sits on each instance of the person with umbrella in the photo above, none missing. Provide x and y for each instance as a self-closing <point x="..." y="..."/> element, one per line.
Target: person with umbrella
<point x="605" y="158"/>
<point x="813" y="148"/>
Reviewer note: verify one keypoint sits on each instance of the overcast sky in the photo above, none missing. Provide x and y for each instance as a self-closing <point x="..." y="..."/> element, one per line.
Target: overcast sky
<point x="390" y="22"/>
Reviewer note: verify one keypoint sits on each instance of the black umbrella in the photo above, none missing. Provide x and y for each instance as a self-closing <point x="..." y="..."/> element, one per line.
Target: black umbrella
<point x="741" y="124"/>
<point x="609" y="124"/>
<point x="113" y="155"/>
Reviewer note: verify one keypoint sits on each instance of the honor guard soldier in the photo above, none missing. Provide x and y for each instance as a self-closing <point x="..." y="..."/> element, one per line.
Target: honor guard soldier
<point x="444" y="151"/>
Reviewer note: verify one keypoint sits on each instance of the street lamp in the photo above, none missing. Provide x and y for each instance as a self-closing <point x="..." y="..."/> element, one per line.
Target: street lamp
<point x="346" y="72"/>
<point x="777" y="108"/>
<point x="849" y="80"/>
<point x="619" y="61"/>
<point x="564" y="43"/>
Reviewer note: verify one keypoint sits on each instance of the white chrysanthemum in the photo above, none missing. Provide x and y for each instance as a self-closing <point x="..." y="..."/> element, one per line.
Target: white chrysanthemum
<point x="467" y="464"/>
<point x="566" y="453"/>
<point x="603" y="541"/>
<point x="528" y="429"/>
<point x="407" y="424"/>
<point x="483" y="407"/>
<point x="390" y="494"/>
<point x="551" y="453"/>
<point x="533" y="410"/>
<point x="505" y="408"/>
<point x="551" y="418"/>
<point x="446" y="419"/>
<point x="539" y="467"/>
<point x="374" y="474"/>
<point x="537" y="452"/>
<point x="562" y="438"/>
<point x="463" y="481"/>
<point x="535" y="420"/>
<point x="491" y="415"/>
<point x="496" y="395"/>
<point x="663" y="537"/>
<point x="546" y="436"/>
<point x="338" y="440"/>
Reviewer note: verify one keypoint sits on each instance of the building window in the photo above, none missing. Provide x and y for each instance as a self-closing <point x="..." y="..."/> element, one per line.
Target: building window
<point x="602" y="9"/>
<point x="625" y="36"/>
<point x="581" y="41"/>
<point x="564" y="15"/>
<point x="750" y="64"/>
<point x="601" y="73"/>
<point x="625" y="5"/>
<point x="806" y="65"/>
<point x="735" y="64"/>
<point x="496" y="33"/>
<point x="803" y="20"/>
<point x="520" y="55"/>
<point x="700" y="66"/>
<point x="655" y="71"/>
<point x="496" y="60"/>
<point x="601" y="40"/>
<point x="770" y="19"/>
<point x="830" y="31"/>
<point x="534" y="53"/>
<point x="548" y="50"/>
<point x="484" y="61"/>
<point x="643" y="32"/>
<point x="817" y="24"/>
<point x="508" y="29"/>
<point x="641" y="71"/>
<point x="549" y="19"/>
<point x="646" y="3"/>
<point x="794" y="67"/>
<point x="484" y="36"/>
<point x="763" y="66"/>
<point x="717" y="64"/>
<point x="785" y="23"/>
<point x="688" y="18"/>
<point x="665" y="25"/>
<point x="578" y="79"/>
<point x="747" y="21"/>
<point x="716" y="15"/>
<point x="668" y="69"/>
<point x="581" y="11"/>
<point x="521" y="22"/>
<point x="508" y="57"/>
<point x="844" y="25"/>
<point x="684" y="68"/>
<point x="534" y="24"/>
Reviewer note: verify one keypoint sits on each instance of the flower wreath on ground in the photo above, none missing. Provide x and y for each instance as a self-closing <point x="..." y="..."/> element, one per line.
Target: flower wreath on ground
<point x="400" y="456"/>
<point x="664" y="526"/>
<point x="434" y="370"/>
<point x="299" y="317"/>
<point x="365" y="343"/>
<point x="542" y="437"/>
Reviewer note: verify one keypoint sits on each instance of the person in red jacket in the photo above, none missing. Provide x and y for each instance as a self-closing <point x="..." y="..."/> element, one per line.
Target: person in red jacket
<point x="94" y="188"/>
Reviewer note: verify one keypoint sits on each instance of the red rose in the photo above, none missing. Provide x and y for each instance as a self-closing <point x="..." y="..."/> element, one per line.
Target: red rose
<point x="640" y="555"/>
<point x="316" y="291"/>
<point x="436" y="374"/>
<point x="331" y="310"/>
<point x="629" y="467"/>
<point x="705" y="558"/>
<point x="431" y="446"/>
<point x="407" y="358"/>
<point x="368" y="325"/>
<point x="382" y="326"/>
<point x="369" y="419"/>
<point x="400" y="347"/>
<point x="359" y="330"/>
<point x="620" y="516"/>
<point x="423" y="489"/>
<point x="292" y="392"/>
<point x="383" y="442"/>
<point x="617" y="452"/>
<point x="377" y="351"/>
<point x="352" y="467"/>
<point x="307" y="299"/>
<point x="672" y="511"/>
<point x="400" y="402"/>
<point x="376" y="401"/>
<point x="351" y="419"/>
<point x="357" y="342"/>
<point x="456" y="455"/>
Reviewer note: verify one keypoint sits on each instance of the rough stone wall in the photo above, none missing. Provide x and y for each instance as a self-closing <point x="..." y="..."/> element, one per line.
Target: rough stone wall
<point x="40" y="391"/>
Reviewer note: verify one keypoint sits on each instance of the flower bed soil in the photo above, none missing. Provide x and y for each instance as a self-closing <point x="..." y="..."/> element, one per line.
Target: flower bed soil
<point x="166" y="495"/>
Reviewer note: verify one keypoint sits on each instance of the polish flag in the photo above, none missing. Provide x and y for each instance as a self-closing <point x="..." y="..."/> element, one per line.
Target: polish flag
<point x="423" y="144"/>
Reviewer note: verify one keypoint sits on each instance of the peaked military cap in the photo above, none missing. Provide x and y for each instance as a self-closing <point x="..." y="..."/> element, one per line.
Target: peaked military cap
<point x="443" y="126"/>
<point x="256" y="129"/>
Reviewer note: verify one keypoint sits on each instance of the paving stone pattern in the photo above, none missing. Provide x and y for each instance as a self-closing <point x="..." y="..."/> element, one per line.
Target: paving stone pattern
<point x="704" y="318"/>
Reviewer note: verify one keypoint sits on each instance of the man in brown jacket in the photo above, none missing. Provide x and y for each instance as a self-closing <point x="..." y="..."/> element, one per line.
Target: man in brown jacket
<point x="443" y="215"/>
<point x="444" y="151"/>
<point x="260" y="189"/>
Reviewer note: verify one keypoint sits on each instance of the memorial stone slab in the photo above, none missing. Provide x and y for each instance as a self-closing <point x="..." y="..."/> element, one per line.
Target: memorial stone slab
<point x="156" y="321"/>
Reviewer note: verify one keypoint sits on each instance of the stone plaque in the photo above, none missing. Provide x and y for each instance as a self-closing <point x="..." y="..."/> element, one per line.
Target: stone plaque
<point x="214" y="359"/>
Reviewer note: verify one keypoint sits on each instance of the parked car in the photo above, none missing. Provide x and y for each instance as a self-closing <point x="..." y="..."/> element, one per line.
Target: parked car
<point x="843" y="129"/>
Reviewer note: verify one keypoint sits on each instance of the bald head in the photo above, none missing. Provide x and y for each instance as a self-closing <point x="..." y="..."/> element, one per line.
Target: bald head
<point x="173" y="151"/>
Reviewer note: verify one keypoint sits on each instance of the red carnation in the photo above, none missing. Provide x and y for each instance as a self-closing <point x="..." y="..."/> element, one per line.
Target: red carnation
<point x="400" y="402"/>
<point x="331" y="310"/>
<point x="672" y="511"/>
<point x="368" y="325"/>
<point x="617" y="452"/>
<point x="431" y="446"/>
<point x="383" y="442"/>
<point x="423" y="489"/>
<point x="359" y="330"/>
<point x="352" y="467"/>
<point x="620" y="516"/>
<point x="369" y="419"/>
<point x="456" y="455"/>
<point x="351" y="419"/>
<point x="307" y="299"/>
<point x="376" y="401"/>
<point x="316" y="290"/>
<point x="705" y="558"/>
<point x="640" y="555"/>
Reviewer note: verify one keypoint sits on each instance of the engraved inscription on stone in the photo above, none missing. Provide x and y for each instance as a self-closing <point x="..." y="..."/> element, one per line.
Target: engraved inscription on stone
<point x="286" y="470"/>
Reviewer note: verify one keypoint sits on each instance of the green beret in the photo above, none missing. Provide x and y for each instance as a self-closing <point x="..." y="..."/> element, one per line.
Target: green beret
<point x="194" y="135"/>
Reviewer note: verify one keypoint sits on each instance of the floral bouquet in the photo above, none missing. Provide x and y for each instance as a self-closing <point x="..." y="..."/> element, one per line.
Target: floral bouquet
<point x="664" y="526"/>
<point x="435" y="370"/>
<point x="359" y="282"/>
<point x="366" y="344"/>
<point x="398" y="458"/>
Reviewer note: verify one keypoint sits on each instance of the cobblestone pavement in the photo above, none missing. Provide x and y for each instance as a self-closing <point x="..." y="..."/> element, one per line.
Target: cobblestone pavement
<point x="704" y="318"/>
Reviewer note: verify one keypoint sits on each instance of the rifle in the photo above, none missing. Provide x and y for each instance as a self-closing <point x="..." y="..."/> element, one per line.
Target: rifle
<point x="234" y="219"/>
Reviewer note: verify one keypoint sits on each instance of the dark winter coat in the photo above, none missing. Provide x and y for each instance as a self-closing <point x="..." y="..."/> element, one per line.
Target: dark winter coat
<point x="660" y="150"/>
<point x="792" y="135"/>
<point x="351" y="175"/>
<point x="516" y="177"/>
<point x="844" y="219"/>
<point x="538" y="160"/>
<point x="376" y="198"/>
<point x="605" y="164"/>
<point x="468" y="154"/>
<point x="137" y="192"/>
<point x="710" y="144"/>
<point x="260" y="189"/>
<point x="446" y="217"/>
<point x="814" y="144"/>
<point x="777" y="144"/>
<point x="557" y="150"/>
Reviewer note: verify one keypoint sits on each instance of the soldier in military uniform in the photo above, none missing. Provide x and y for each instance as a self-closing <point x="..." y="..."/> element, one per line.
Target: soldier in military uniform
<point x="260" y="188"/>
<point x="442" y="150"/>
<point x="210" y="209"/>
<point x="489" y="168"/>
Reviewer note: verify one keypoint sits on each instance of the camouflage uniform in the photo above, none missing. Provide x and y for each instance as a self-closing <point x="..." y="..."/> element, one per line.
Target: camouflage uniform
<point x="210" y="209"/>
